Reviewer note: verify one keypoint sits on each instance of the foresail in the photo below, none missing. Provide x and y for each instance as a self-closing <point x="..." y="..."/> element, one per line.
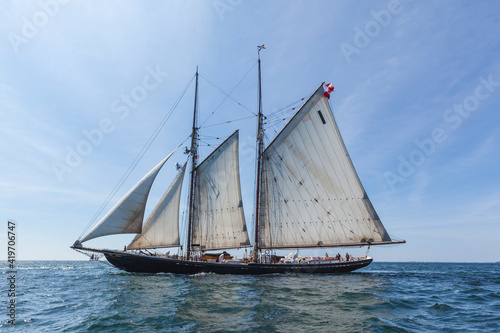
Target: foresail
<point x="127" y="215"/>
<point x="310" y="193"/>
<point x="218" y="220"/>
<point x="162" y="227"/>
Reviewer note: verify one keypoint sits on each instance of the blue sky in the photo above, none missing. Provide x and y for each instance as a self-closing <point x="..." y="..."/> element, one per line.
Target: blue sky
<point x="417" y="100"/>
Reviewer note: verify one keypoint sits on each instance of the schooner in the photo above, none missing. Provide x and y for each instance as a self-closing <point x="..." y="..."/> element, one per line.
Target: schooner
<point x="308" y="195"/>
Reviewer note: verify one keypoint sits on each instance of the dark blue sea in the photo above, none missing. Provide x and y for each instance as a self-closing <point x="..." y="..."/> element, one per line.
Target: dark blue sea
<point x="85" y="296"/>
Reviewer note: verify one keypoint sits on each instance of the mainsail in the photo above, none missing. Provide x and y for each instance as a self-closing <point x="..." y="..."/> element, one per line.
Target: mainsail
<point x="127" y="215"/>
<point x="162" y="227"/>
<point x="310" y="194"/>
<point x="219" y="221"/>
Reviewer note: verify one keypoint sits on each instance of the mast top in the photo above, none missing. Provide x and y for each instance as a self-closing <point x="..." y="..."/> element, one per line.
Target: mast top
<point x="260" y="48"/>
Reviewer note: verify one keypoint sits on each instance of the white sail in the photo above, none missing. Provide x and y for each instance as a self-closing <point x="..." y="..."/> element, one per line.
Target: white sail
<point x="218" y="220"/>
<point x="162" y="227"/>
<point x="310" y="194"/>
<point x="127" y="215"/>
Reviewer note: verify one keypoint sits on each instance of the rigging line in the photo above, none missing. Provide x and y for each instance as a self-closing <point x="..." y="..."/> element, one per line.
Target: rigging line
<point x="301" y="142"/>
<point x="310" y="194"/>
<point x="290" y="213"/>
<point x="228" y="95"/>
<point x="280" y="115"/>
<point x="183" y="222"/>
<point x="229" y="121"/>
<point x="218" y="220"/>
<point x="343" y="175"/>
<point x="279" y="119"/>
<point x="313" y="220"/>
<point x="137" y="159"/>
<point x="357" y="180"/>
<point x="272" y="127"/>
<point x="209" y="137"/>
<point x="155" y="210"/>
<point x="206" y="143"/>
<point x="147" y="240"/>
<point x="284" y="109"/>
<point x="284" y="114"/>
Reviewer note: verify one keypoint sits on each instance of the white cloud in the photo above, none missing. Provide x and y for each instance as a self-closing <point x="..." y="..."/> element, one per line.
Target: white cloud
<point x="481" y="153"/>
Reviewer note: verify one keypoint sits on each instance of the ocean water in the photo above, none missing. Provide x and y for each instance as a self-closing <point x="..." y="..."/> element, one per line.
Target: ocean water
<point x="85" y="296"/>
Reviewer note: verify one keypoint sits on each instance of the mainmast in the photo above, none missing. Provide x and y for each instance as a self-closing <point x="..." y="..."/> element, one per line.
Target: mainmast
<point x="260" y="149"/>
<point x="194" y="155"/>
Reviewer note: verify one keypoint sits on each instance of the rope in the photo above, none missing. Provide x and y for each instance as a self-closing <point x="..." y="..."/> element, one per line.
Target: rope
<point x="229" y="121"/>
<point x="228" y="95"/>
<point x="136" y="160"/>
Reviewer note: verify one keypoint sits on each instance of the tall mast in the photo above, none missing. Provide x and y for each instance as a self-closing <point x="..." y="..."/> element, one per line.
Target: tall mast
<point x="260" y="149"/>
<point x="194" y="154"/>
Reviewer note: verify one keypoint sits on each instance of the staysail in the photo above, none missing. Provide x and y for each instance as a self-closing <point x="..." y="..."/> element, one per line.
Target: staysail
<point x="310" y="194"/>
<point x="127" y="215"/>
<point x="219" y="221"/>
<point x="162" y="227"/>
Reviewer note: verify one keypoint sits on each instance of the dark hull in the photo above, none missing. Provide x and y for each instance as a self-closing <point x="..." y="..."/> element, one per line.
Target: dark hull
<point x="139" y="263"/>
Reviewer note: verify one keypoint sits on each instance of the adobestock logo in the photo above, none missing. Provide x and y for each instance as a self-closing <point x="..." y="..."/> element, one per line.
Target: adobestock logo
<point x="120" y="108"/>
<point x="224" y="6"/>
<point x="455" y="117"/>
<point x="31" y="26"/>
<point x="371" y="29"/>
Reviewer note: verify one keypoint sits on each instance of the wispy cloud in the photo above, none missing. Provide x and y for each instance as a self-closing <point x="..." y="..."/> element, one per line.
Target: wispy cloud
<point x="480" y="153"/>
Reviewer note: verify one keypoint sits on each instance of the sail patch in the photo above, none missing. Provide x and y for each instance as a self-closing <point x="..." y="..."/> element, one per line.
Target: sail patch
<point x="322" y="118"/>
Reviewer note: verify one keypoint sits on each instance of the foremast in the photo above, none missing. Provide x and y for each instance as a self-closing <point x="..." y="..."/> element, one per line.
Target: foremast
<point x="260" y="149"/>
<point x="194" y="155"/>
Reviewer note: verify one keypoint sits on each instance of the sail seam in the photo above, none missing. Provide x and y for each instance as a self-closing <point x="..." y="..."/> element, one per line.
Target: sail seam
<point x="345" y="169"/>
